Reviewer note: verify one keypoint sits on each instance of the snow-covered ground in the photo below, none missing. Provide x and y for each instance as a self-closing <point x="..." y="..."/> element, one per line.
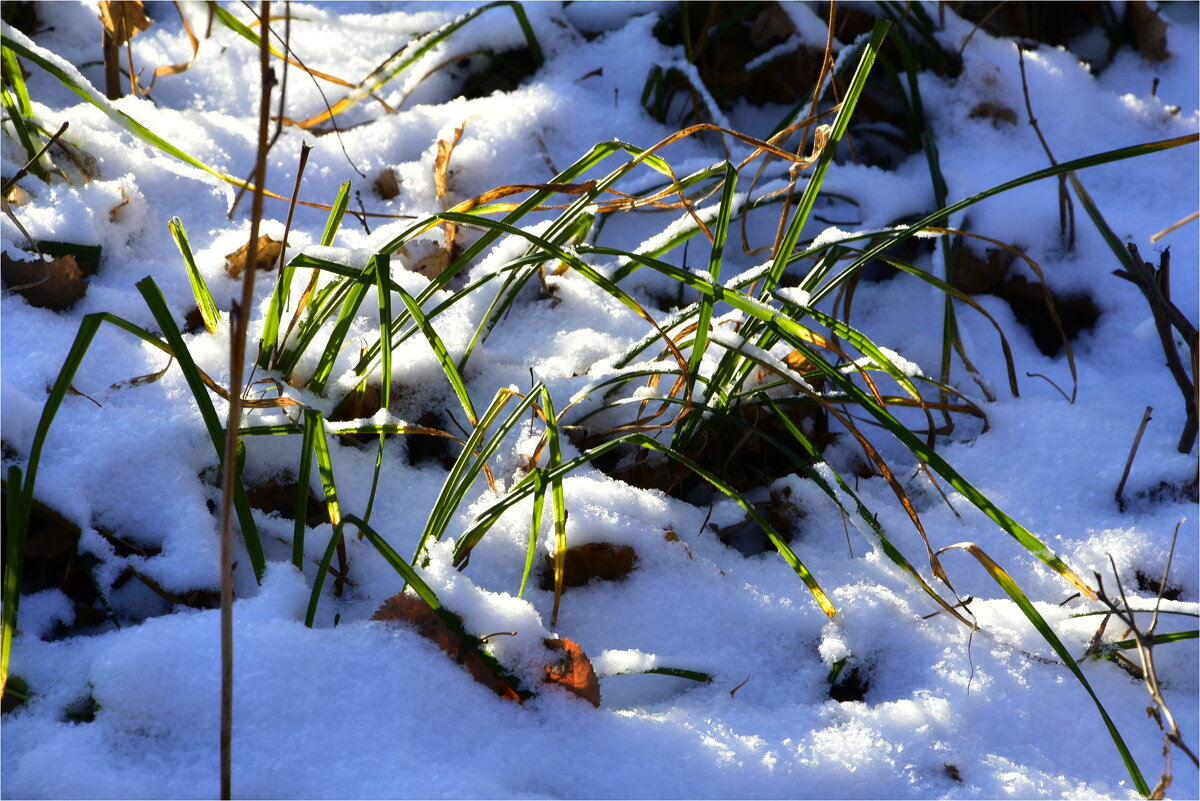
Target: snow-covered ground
<point x="354" y="708"/>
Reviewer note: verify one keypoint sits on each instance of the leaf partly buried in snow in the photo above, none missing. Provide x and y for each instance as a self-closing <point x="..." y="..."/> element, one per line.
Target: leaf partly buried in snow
<point x="593" y="560"/>
<point x="54" y="284"/>
<point x="430" y="625"/>
<point x="265" y="259"/>
<point x="571" y="670"/>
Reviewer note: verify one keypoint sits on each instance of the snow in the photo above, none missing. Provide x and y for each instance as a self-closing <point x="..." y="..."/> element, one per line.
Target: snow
<point x="359" y="709"/>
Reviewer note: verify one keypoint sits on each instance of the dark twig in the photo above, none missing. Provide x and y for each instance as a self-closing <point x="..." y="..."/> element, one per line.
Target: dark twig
<point x="1066" y="206"/>
<point x="1155" y="284"/>
<point x="21" y="173"/>
<point x="1137" y="440"/>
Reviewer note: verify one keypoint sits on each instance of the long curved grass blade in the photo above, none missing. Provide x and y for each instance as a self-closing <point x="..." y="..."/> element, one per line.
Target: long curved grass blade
<point x="20" y="112"/>
<point x="864" y="514"/>
<point x="558" y="501"/>
<point x="785" y="551"/>
<point x="1095" y="160"/>
<point x="523" y="488"/>
<point x="426" y="594"/>
<point x="704" y="315"/>
<point x="355" y="292"/>
<point x="471" y="462"/>
<point x="439" y="351"/>
<point x="411" y="577"/>
<point x="413" y="51"/>
<point x="197" y="382"/>
<point x="227" y="19"/>
<point x="1013" y="590"/>
<point x="809" y="198"/>
<point x="204" y="298"/>
<point x="162" y="316"/>
<point x="539" y="503"/>
<point x="74" y="80"/>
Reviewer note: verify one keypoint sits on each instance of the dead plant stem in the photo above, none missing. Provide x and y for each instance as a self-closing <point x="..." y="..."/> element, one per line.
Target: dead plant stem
<point x="237" y="358"/>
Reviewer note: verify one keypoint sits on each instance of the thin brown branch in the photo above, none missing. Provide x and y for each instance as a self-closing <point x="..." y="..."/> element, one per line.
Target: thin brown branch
<point x="1137" y="440"/>
<point x="237" y="359"/>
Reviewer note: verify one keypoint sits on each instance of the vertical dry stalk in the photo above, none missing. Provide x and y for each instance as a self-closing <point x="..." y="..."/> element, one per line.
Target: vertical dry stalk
<point x="237" y="363"/>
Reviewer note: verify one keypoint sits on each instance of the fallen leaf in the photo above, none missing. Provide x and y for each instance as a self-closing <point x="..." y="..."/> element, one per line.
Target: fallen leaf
<point x="122" y="19"/>
<point x="265" y="259"/>
<point x="54" y="284"/>
<point x="571" y="670"/>
<point x="430" y="625"/>
<point x="599" y="560"/>
<point x="1149" y="31"/>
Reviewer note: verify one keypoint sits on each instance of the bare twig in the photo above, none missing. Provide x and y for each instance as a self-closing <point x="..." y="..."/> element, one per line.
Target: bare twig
<point x="1144" y="642"/>
<point x="1066" y="206"/>
<point x="1137" y="440"/>
<point x="237" y="359"/>
<point x="21" y="173"/>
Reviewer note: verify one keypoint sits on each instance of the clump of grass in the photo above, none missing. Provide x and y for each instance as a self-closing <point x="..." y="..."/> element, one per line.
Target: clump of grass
<point x="686" y="384"/>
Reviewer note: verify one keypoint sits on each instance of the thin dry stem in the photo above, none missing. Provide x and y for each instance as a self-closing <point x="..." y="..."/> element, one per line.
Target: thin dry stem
<point x="237" y="359"/>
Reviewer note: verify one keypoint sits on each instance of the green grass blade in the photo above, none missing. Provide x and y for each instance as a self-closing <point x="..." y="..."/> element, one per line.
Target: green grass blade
<point x="382" y="284"/>
<point x="813" y="188"/>
<point x="74" y="80"/>
<point x="558" y="501"/>
<point x="793" y="333"/>
<point x="1159" y="639"/>
<point x="158" y="307"/>
<point x="204" y="299"/>
<point x="17" y="524"/>
<point x="20" y="112"/>
<point x="470" y="463"/>
<point x="334" y="222"/>
<point x="785" y="551"/>
<point x="426" y="594"/>
<point x="414" y="50"/>
<point x="1095" y="160"/>
<point x="539" y="502"/>
<point x="440" y="353"/>
<point x="313" y="421"/>
<point x="1013" y="590"/>
<point x="410" y="576"/>
<point x="355" y="293"/>
<point x="303" y="474"/>
<point x="704" y="315"/>
<point x="227" y="19"/>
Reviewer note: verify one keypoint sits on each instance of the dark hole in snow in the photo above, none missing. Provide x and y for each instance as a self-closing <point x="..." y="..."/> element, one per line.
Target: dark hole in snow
<point x="850" y="685"/>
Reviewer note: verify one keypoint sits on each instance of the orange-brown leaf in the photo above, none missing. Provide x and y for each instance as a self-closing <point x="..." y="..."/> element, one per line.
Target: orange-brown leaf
<point x="572" y="670"/>
<point x="266" y="257"/>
